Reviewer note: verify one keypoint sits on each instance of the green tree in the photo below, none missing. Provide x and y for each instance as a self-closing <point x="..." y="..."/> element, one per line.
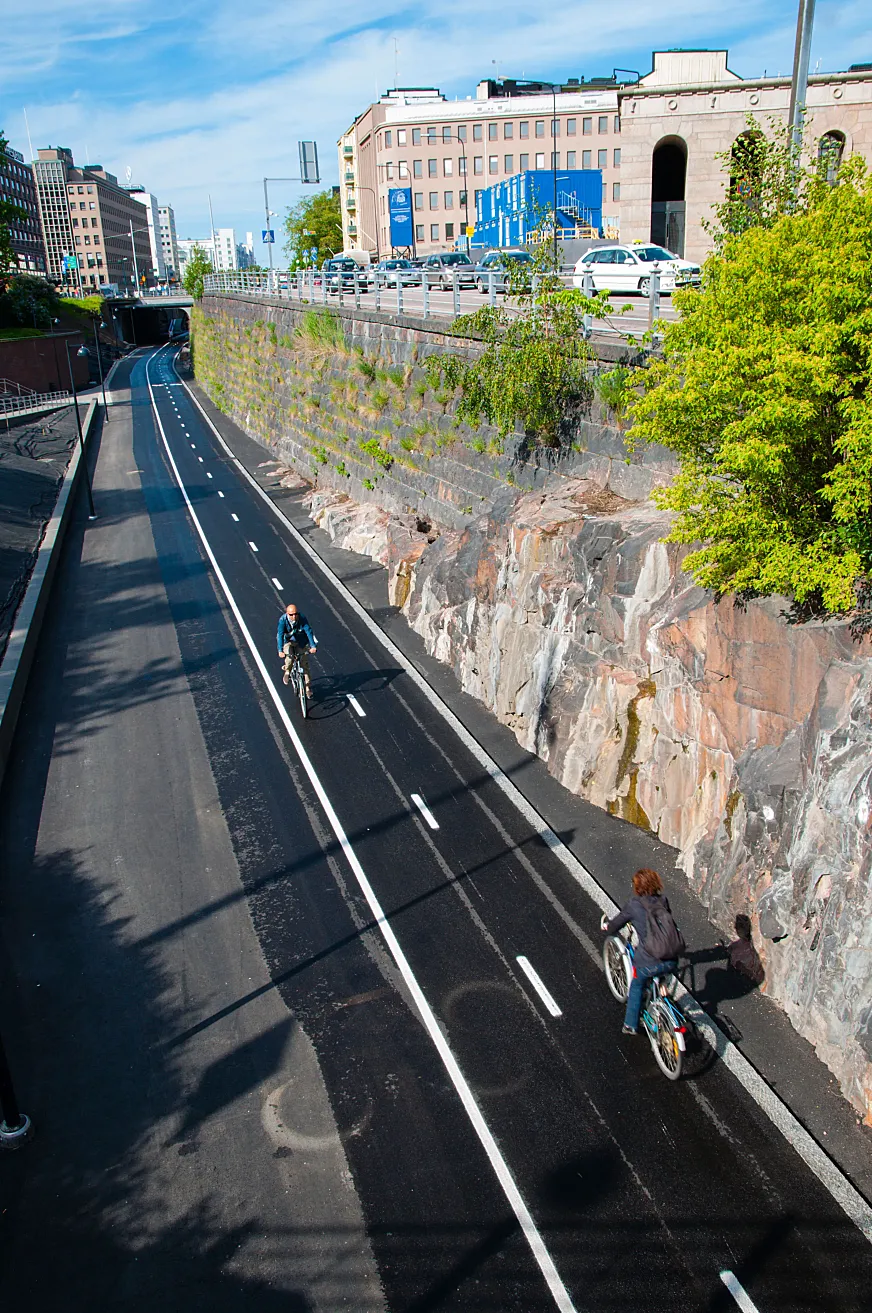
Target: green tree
<point x="195" y="271"/>
<point x="314" y="223"/>
<point x="10" y="214"/>
<point x="28" y="301"/>
<point x="763" y="393"/>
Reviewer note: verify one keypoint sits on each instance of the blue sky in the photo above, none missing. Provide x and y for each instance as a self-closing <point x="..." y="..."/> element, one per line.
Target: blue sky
<point x="200" y="99"/>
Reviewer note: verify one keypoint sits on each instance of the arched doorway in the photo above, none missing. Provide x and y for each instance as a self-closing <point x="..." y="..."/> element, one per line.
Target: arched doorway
<point x="668" y="178"/>
<point x="831" y="148"/>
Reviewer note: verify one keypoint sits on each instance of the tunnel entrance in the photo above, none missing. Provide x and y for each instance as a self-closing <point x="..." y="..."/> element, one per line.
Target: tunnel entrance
<point x="146" y="325"/>
<point x="668" y="179"/>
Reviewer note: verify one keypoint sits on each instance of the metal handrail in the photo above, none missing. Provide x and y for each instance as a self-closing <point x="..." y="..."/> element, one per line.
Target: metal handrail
<point x="12" y="405"/>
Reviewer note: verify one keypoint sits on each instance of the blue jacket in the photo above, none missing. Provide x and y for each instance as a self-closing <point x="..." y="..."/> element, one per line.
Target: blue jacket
<point x="635" y="912"/>
<point x="301" y="633"/>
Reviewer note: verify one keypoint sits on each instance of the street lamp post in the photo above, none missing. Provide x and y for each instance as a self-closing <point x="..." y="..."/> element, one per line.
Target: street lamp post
<point x="371" y="190"/>
<point x="15" y="1126"/>
<point x="82" y="353"/>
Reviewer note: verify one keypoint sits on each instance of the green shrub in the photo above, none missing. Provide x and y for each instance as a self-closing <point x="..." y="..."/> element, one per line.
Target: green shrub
<point x="320" y="332"/>
<point x="373" y="448"/>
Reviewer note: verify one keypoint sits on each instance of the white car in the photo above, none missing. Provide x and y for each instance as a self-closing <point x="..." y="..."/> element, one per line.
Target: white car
<point x="629" y="269"/>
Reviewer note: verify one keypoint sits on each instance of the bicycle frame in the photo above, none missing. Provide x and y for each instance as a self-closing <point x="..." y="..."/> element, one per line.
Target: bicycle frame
<point x="656" y="993"/>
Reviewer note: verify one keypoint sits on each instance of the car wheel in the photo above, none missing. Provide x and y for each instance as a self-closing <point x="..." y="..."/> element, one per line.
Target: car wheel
<point x="481" y="286"/>
<point x="645" y="286"/>
<point x="441" y="283"/>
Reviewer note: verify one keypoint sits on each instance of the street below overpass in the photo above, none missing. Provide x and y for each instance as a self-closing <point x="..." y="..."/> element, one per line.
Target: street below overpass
<point x="266" y="977"/>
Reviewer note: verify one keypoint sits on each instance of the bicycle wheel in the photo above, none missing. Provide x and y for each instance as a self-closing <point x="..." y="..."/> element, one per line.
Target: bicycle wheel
<point x="617" y="964"/>
<point x="668" y="1052"/>
<point x="300" y="681"/>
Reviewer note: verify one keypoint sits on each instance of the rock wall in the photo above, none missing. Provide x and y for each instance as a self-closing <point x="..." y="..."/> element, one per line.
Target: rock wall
<point x="742" y="740"/>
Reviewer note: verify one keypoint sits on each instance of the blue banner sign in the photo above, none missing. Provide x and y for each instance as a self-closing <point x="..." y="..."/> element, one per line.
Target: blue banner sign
<point x="400" y="210"/>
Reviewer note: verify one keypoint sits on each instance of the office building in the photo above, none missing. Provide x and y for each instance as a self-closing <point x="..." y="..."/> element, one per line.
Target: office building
<point x="448" y="152"/>
<point x="158" y="264"/>
<point x="17" y="186"/>
<point x="86" y="217"/>
<point x="168" y="241"/>
<point x="222" y="251"/>
<point x="245" y="252"/>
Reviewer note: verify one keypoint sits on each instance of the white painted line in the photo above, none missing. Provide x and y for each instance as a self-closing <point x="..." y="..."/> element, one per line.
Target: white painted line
<point x="234" y="516"/>
<point x="814" y="1157"/>
<point x="253" y="546"/>
<point x="742" y="1298"/>
<point x="425" y="811"/>
<point x="357" y="707"/>
<point x="193" y="446"/>
<point x="200" y="459"/>
<point x="500" y="1167"/>
<point x="278" y="585"/>
<point x="208" y="475"/>
<point x="220" y="494"/>
<point x="535" y="980"/>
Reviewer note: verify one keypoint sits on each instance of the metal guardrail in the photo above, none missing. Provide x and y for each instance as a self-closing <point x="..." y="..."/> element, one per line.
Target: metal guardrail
<point x="22" y="402"/>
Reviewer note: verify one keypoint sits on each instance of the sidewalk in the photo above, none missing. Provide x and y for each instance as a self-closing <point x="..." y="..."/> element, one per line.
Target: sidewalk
<point x="611" y="850"/>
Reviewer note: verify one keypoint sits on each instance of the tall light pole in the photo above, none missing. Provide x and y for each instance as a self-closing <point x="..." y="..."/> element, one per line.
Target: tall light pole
<point x="799" y="83"/>
<point x="133" y="249"/>
<point x="82" y="353"/>
<point x="371" y="190"/>
<point x="309" y="173"/>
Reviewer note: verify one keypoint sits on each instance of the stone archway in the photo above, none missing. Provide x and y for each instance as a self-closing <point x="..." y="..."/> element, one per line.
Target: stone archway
<point x="831" y="149"/>
<point x="668" y="180"/>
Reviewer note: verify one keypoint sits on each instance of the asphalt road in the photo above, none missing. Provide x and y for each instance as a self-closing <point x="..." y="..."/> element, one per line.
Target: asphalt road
<point x="502" y="1158"/>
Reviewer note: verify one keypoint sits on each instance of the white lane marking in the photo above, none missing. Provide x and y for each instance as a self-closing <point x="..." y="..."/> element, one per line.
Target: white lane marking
<point x="220" y="494"/>
<point x="253" y="546"/>
<point x="742" y="1298"/>
<point x="536" y="981"/>
<point x="815" y="1158"/>
<point x="234" y="516"/>
<point x="200" y="459"/>
<point x="278" y="585"/>
<point x="193" y="446"/>
<point x="425" y="811"/>
<point x="357" y="707"/>
<point x="208" y="475"/>
<point x="500" y="1167"/>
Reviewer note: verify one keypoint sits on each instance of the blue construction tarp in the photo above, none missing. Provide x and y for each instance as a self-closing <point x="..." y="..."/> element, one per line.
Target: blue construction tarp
<point x="508" y="211"/>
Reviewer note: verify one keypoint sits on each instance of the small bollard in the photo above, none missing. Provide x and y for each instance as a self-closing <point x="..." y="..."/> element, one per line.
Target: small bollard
<point x="425" y="287"/>
<point x="654" y="296"/>
<point x="587" y="290"/>
<point x="491" y="287"/>
<point x="456" y="294"/>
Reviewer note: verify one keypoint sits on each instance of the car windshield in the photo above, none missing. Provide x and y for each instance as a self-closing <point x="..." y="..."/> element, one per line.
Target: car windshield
<point x="652" y="253"/>
<point x="397" y="264"/>
<point x="520" y="257"/>
<point x="456" y="259"/>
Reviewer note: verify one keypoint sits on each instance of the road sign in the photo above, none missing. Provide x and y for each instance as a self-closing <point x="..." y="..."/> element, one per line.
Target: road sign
<point x="400" y="210"/>
<point x="470" y="230"/>
<point x="267" y="236"/>
<point x="71" y="262"/>
<point x="309" y="162"/>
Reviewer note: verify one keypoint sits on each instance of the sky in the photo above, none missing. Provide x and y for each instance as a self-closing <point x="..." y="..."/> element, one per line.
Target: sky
<point x="202" y="100"/>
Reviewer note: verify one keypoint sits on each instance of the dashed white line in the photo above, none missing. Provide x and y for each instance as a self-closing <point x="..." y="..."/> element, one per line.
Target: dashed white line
<point x="536" y="981"/>
<point x="200" y="459"/>
<point x="234" y="516"/>
<point x="354" y="702"/>
<point x="425" y="811"/>
<point x="208" y="475"/>
<point x="278" y="585"/>
<point x="253" y="546"/>
<point x="193" y="446"/>
<point x="220" y="494"/>
<point x="740" y="1295"/>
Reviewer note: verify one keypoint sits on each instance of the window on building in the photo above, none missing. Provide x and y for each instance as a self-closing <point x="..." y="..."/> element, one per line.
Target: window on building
<point x="603" y="123"/>
<point x="493" y="164"/>
<point x="432" y="136"/>
<point x="402" y="169"/>
<point x="416" y="136"/>
<point x="446" y="132"/>
<point x="448" y="200"/>
<point x="389" y="139"/>
<point x="524" y="163"/>
<point x="523" y="129"/>
<point x="508" y="164"/>
<point x="80" y="190"/>
<point x="602" y="159"/>
<point x="449" y="232"/>
<point x="78" y="241"/>
<point x="616" y="158"/>
<point x="96" y="241"/>
<point x="401" y="136"/>
<point x="461" y="132"/>
<point x="555" y="160"/>
<point x="92" y="205"/>
<point x="418" y="168"/>
<point x="570" y="127"/>
<point x="616" y="191"/>
<point x="389" y="171"/>
<point x="434" y="232"/>
<point x="75" y="223"/>
<point x="478" y="164"/>
<point x="492" y="130"/>
<point x="87" y="240"/>
<point x="477" y="133"/>
<point x="462" y="198"/>
<point x="555" y="127"/>
<point x="540" y="127"/>
<point x="432" y="168"/>
<point x="419" y="232"/>
<point x="585" y="160"/>
<point x="540" y="160"/>
<point x="434" y="200"/>
<point x="448" y="168"/>
<point x="99" y="257"/>
<point x="461" y="166"/>
<point x="476" y="197"/>
<point x="508" y="131"/>
<point x="94" y="223"/>
<point x="617" y="124"/>
<point x="419" y="200"/>
<point x="586" y="127"/>
<point x="570" y="159"/>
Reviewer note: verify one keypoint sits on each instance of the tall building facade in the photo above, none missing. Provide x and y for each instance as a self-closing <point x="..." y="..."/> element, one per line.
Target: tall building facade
<point x="168" y="240"/>
<point x="86" y="218"/>
<point x="448" y="152"/>
<point x="222" y="250"/>
<point x="18" y="187"/>
<point x="145" y="198"/>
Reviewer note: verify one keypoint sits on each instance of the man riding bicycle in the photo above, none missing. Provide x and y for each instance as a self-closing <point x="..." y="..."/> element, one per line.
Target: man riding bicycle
<point x="295" y="639"/>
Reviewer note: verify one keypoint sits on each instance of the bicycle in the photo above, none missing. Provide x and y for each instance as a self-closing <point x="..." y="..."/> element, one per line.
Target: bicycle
<point x="664" y="1023"/>
<point x="297" y="679"/>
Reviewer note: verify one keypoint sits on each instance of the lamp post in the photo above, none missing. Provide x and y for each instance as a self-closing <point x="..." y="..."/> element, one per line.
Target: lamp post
<point x="82" y="353"/>
<point x="371" y="190"/>
<point x="15" y="1126"/>
<point x="462" y="143"/>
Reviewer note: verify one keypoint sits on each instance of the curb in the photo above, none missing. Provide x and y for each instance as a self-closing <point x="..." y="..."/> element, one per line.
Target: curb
<point x="21" y="648"/>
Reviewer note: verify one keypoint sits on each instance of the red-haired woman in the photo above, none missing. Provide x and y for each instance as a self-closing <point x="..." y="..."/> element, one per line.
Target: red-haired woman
<point x="648" y="897"/>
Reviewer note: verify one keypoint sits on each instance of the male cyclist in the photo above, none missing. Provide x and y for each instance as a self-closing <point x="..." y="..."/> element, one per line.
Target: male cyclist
<point x="294" y="637"/>
<point x="659" y="939"/>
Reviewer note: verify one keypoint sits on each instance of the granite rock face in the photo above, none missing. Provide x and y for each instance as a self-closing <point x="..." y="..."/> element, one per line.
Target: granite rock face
<point x="740" y="739"/>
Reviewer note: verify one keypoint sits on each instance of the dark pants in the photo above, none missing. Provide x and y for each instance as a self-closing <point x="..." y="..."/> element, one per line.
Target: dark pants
<point x="641" y="975"/>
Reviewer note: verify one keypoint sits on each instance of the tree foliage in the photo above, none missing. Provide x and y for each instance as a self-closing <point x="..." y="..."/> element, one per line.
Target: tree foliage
<point x="763" y="393"/>
<point x="195" y="271"/>
<point x="28" y="301"/>
<point x="313" y="224"/>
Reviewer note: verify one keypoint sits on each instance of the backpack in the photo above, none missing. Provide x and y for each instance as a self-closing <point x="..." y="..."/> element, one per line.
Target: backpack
<point x="663" y="939"/>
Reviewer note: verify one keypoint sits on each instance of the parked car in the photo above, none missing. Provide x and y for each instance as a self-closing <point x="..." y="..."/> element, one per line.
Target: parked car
<point x="629" y="269"/>
<point x="497" y="262"/>
<point x="344" y="272"/>
<point x="440" y="270"/>
<point x="391" y="272"/>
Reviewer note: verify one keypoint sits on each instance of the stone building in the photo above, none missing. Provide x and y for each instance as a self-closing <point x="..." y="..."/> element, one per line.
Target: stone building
<point x="689" y="110"/>
<point x="17" y="186"/>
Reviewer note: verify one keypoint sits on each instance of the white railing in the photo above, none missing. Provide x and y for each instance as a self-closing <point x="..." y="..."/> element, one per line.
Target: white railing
<point x="16" y="404"/>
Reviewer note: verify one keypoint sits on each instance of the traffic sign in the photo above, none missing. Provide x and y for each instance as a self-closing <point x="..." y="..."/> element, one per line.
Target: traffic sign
<point x="267" y="236"/>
